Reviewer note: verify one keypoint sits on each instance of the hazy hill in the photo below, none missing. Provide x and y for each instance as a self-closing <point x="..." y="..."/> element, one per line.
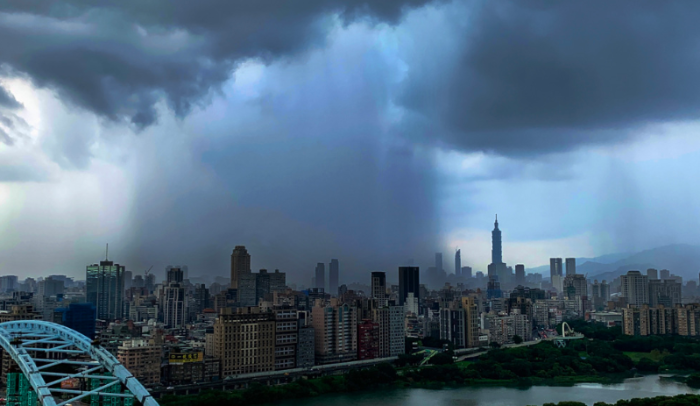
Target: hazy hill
<point x="680" y="259"/>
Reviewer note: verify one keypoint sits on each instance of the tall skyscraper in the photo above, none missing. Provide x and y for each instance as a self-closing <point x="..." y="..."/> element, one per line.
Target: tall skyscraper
<point x="104" y="288"/>
<point x="333" y="274"/>
<point x="555" y="265"/>
<point x="379" y="288"/>
<point x="438" y="262"/>
<point x="458" y="263"/>
<point x="409" y="282"/>
<point x="665" y="274"/>
<point x="320" y="275"/>
<point x="635" y="287"/>
<point x="520" y="274"/>
<point x="496" y="247"/>
<point x="570" y="266"/>
<point x="174" y="275"/>
<point x="240" y="263"/>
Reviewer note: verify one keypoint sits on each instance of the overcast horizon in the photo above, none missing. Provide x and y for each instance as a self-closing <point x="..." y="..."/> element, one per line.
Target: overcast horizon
<point x="371" y="132"/>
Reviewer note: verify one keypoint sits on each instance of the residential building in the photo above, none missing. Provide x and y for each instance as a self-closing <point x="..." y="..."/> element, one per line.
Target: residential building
<point x="333" y="276"/>
<point x="306" y="349"/>
<point x="368" y="340"/>
<point x="244" y="341"/>
<point x="80" y="317"/>
<point x="142" y="358"/>
<point x="335" y="328"/>
<point x="286" y="338"/>
<point x="320" y="276"/>
<point x="378" y="288"/>
<point x="409" y="282"/>
<point x="240" y="264"/>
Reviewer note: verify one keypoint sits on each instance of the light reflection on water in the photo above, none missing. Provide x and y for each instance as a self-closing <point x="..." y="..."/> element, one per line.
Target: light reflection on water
<point x="589" y="393"/>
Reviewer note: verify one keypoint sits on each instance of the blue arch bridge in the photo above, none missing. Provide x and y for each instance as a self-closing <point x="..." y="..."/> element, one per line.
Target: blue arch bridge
<point x="57" y="366"/>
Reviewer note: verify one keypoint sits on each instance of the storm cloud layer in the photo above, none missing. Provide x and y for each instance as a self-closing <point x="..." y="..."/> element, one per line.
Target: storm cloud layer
<point x="118" y="59"/>
<point x="371" y="131"/>
<point x="532" y="77"/>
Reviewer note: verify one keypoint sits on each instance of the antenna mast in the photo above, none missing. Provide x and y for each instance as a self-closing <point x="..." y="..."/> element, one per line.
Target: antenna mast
<point x="107" y="253"/>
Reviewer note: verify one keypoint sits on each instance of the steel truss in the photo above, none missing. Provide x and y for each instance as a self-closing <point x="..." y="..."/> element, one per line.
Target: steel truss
<point x="45" y="352"/>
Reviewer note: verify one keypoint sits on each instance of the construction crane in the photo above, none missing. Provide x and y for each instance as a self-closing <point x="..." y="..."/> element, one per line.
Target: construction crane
<point x="148" y="270"/>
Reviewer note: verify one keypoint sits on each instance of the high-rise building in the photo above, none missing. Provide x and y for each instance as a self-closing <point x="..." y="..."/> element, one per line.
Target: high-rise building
<point x="575" y="286"/>
<point x="452" y="324"/>
<point x="496" y="248"/>
<point x="379" y="288"/>
<point x="555" y="265"/>
<point x="150" y="282"/>
<point x="306" y="349"/>
<point x="50" y="286"/>
<point x="664" y="293"/>
<point x="635" y="288"/>
<point x="335" y="329"/>
<point x="173" y="275"/>
<point x="128" y="279"/>
<point x="333" y="276"/>
<point x="458" y="263"/>
<point x="240" y="264"/>
<point x="8" y="283"/>
<point x="104" y="288"/>
<point x="652" y="274"/>
<point x="367" y="340"/>
<point x="320" y="276"/>
<point x="286" y="338"/>
<point x="665" y="274"/>
<point x="570" y="266"/>
<point x="471" y="321"/>
<point x="409" y="281"/>
<point x="174" y="305"/>
<point x="245" y="341"/>
<point x="78" y="316"/>
<point x="467" y="271"/>
<point x="520" y="274"/>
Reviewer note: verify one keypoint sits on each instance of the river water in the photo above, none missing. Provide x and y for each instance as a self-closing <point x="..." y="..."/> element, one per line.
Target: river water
<point x="648" y="386"/>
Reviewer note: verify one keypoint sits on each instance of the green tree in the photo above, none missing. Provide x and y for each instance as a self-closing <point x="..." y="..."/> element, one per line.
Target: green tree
<point x="517" y="339"/>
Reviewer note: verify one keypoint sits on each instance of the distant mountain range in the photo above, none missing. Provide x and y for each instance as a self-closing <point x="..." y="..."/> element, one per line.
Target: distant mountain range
<point x="680" y="259"/>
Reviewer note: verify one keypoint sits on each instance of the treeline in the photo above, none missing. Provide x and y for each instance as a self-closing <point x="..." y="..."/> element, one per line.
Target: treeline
<point x="679" y="400"/>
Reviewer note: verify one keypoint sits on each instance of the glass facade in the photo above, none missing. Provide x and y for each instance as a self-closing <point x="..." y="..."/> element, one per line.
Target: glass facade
<point x="105" y="289"/>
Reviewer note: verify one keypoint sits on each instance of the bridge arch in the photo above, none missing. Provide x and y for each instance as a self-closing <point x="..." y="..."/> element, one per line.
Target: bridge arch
<point x="40" y="347"/>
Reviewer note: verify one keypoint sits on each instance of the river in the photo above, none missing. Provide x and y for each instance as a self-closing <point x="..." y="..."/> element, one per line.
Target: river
<point x="648" y="386"/>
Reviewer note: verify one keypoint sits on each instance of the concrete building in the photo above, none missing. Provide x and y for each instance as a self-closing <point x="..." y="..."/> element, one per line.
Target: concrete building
<point x="320" y="276"/>
<point x="142" y="358"/>
<point x="19" y="312"/>
<point x="286" y="338"/>
<point x="664" y="292"/>
<point x="333" y="277"/>
<point x="555" y="268"/>
<point x="452" y="324"/>
<point x="503" y="328"/>
<point x="368" y="340"/>
<point x="244" y="341"/>
<point x="635" y="288"/>
<point x="520" y="274"/>
<point x="570" y="266"/>
<point x="458" y="263"/>
<point x="471" y="321"/>
<point x="652" y="274"/>
<point x="306" y="349"/>
<point x="240" y="264"/>
<point x="335" y="329"/>
<point x="575" y="286"/>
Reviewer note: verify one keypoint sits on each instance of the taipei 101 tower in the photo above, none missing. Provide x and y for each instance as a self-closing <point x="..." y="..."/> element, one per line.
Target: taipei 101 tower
<point x="496" y="250"/>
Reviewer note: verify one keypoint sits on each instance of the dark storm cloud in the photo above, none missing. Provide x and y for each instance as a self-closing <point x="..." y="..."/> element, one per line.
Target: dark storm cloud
<point x="118" y="58"/>
<point x="8" y="100"/>
<point x="531" y="77"/>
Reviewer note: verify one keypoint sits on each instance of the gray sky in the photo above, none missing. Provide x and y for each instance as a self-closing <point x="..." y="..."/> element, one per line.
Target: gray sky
<point x="373" y="132"/>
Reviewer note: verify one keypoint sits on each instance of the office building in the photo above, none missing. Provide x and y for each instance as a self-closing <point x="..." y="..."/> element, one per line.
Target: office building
<point x="570" y="266"/>
<point x="50" y="287"/>
<point x="335" y="329"/>
<point x="379" y="288"/>
<point x="458" y="263"/>
<point x="555" y="268"/>
<point x="635" y="288"/>
<point x="438" y="262"/>
<point x="665" y="274"/>
<point x="320" y="276"/>
<point x="142" y="358"/>
<point x="333" y="276"/>
<point x="652" y="274"/>
<point x="174" y="305"/>
<point x="81" y="317"/>
<point x="467" y="271"/>
<point x="104" y="288"/>
<point x="244" y="341"/>
<point x="409" y="282"/>
<point x="240" y="264"/>
<point x="452" y="324"/>
<point x="254" y="287"/>
<point x="575" y="286"/>
<point x="392" y="336"/>
<point x="520" y="274"/>
<point x="8" y="283"/>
